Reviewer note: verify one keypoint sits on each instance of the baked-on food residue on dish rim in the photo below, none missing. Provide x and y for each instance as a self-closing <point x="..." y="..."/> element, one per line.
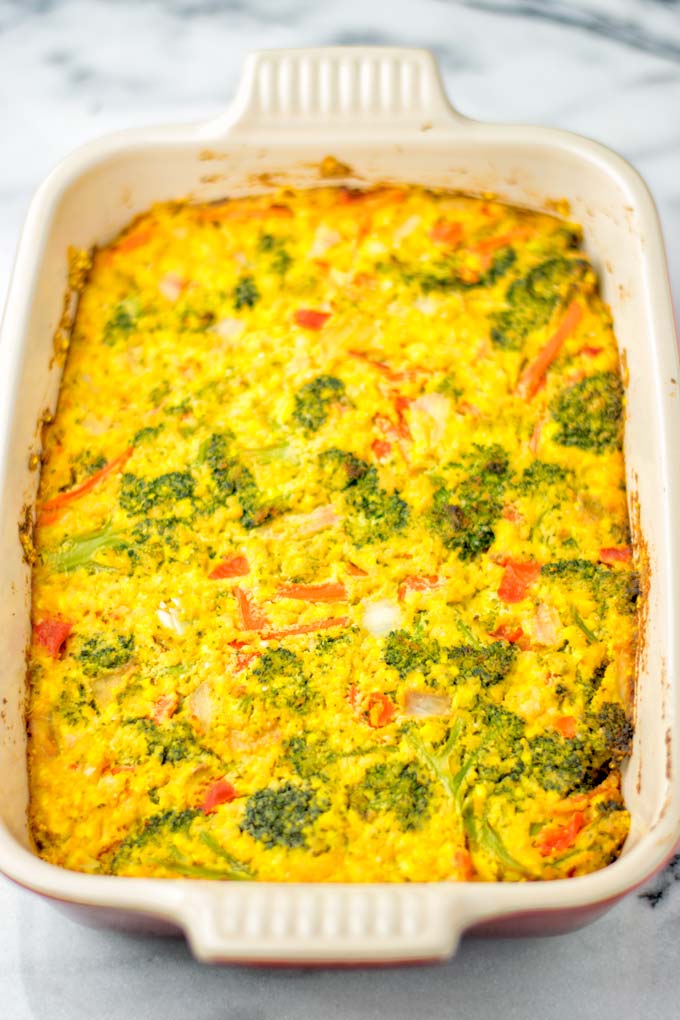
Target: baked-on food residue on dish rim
<point x="334" y="577"/>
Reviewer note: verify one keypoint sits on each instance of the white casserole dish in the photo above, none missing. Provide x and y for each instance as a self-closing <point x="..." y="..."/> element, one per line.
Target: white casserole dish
<point x="383" y="113"/>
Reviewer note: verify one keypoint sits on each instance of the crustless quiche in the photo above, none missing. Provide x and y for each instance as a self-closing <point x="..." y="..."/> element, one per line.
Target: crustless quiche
<point x="333" y="575"/>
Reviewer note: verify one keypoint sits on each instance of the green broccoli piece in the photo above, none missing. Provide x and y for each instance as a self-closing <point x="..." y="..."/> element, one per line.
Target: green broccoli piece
<point x="231" y="477"/>
<point x="448" y="274"/>
<point x="281" y="262"/>
<point x="533" y="299"/>
<point x="618" y="587"/>
<point x="122" y="322"/>
<point x="140" y="495"/>
<point x="589" y="413"/>
<point x="309" y="755"/>
<point x="502" y="742"/>
<point x="246" y="294"/>
<point x="464" y="516"/>
<point x="377" y="514"/>
<point x="339" y="469"/>
<point x="541" y="474"/>
<point x="157" y="828"/>
<point x="313" y="400"/>
<point x="407" y="652"/>
<point x="616" y="730"/>
<point x="102" y="654"/>
<point x="489" y="663"/>
<point x="281" y="815"/>
<point x="78" y="552"/>
<point x="171" y="743"/>
<point x="397" y="787"/>
<point x="148" y="432"/>
<point x="281" y="675"/>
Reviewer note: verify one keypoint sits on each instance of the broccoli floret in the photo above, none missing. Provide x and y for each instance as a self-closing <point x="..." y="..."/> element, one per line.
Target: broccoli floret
<point x="339" y="469"/>
<point x="140" y="495"/>
<point x="156" y="828"/>
<point x="313" y="400"/>
<point x="407" y="652"/>
<point x="281" y="262"/>
<point x="560" y="765"/>
<point x="231" y="477"/>
<point x="541" y="474"/>
<point x="616" y="730"/>
<point x="148" y="432"/>
<point x="102" y="654"/>
<point x="589" y="413"/>
<point x="267" y="243"/>
<point x="489" y="663"/>
<point x="502" y="741"/>
<point x="582" y="762"/>
<point x="452" y="274"/>
<point x="309" y="755"/>
<point x="617" y="587"/>
<point x="533" y="299"/>
<point x="281" y="815"/>
<point x="246" y="294"/>
<point x="281" y="675"/>
<point x="396" y="787"/>
<point x="122" y="322"/>
<point x="78" y="551"/>
<point x="377" y="514"/>
<point x="74" y="699"/>
<point x="464" y="516"/>
<point x="169" y="744"/>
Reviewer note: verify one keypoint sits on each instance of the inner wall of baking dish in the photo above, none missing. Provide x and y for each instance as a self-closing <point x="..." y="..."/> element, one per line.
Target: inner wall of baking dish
<point x="100" y="200"/>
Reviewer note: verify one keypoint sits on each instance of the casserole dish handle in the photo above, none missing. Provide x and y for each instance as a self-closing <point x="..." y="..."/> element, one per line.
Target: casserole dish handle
<point x="358" y="89"/>
<point x="263" y="923"/>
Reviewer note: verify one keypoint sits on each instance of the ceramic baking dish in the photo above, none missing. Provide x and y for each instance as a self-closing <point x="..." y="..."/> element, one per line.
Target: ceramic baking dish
<point x="383" y="115"/>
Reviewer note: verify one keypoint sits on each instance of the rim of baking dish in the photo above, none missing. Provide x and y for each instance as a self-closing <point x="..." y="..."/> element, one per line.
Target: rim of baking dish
<point x="293" y="96"/>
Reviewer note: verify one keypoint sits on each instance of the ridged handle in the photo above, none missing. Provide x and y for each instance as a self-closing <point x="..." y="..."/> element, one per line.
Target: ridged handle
<point x="344" y="87"/>
<point x="319" y="924"/>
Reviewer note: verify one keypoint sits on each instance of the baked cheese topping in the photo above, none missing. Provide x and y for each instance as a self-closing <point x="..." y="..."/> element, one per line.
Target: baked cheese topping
<point x="334" y="577"/>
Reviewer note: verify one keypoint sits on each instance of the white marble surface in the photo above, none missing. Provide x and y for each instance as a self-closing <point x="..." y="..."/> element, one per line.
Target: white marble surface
<point x="71" y="70"/>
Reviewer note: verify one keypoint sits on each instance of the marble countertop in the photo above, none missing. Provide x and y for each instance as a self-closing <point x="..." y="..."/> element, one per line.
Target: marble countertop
<point x="71" y="70"/>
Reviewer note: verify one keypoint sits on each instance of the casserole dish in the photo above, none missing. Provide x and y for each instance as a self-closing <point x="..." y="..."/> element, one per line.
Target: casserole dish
<point x="382" y="115"/>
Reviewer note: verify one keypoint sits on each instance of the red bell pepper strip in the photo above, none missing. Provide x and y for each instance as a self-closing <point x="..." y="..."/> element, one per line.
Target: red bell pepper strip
<point x="616" y="554"/>
<point x="447" y="232"/>
<point x="51" y="633"/>
<point x="566" y="726"/>
<point x="556" y="840"/>
<point x="305" y="628"/>
<point x="517" y="579"/>
<point x="308" y="318"/>
<point x="233" y="566"/>
<point x="50" y="511"/>
<point x="252" y="618"/>
<point x="505" y="632"/>
<point x="221" y="792"/>
<point x="533" y="375"/>
<point x="355" y="571"/>
<point x="379" y="710"/>
<point x="413" y="583"/>
<point x="331" y="591"/>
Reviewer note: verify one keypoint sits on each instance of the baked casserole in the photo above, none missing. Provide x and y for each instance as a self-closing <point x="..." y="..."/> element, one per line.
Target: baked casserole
<point x="334" y="578"/>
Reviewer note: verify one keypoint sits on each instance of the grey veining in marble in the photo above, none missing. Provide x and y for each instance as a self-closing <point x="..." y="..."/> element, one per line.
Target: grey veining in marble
<point x="71" y="70"/>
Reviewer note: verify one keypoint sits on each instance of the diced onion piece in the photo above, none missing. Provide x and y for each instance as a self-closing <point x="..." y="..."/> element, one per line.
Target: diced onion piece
<point x="324" y="239"/>
<point x="200" y="704"/>
<point x="406" y="228"/>
<point x="437" y="407"/>
<point x="171" y="286"/>
<point x="229" y="329"/>
<point x="423" y="704"/>
<point x="547" y="624"/>
<point x="170" y="617"/>
<point x="381" y="617"/>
